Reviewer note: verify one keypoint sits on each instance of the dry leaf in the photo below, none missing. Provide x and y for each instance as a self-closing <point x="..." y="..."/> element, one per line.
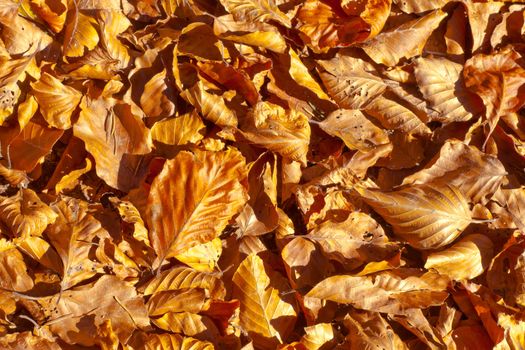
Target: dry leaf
<point x="213" y="181"/>
<point x="427" y="216"/>
<point x="266" y="315"/>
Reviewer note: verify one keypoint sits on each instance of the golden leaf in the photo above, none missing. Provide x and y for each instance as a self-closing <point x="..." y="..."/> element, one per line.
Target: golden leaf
<point x="112" y="132"/>
<point x="69" y="181"/>
<point x="256" y="34"/>
<point x="185" y="277"/>
<point x="323" y="26"/>
<point x="440" y="82"/>
<point x="181" y="300"/>
<point x="25" y="214"/>
<point x="179" y="130"/>
<point x="80" y="34"/>
<point x="153" y="101"/>
<point x="57" y="101"/>
<point x="369" y="330"/>
<point x="426" y="216"/>
<point x="466" y="259"/>
<point x="210" y="181"/>
<point x="31" y="146"/>
<point x="266" y="314"/>
<point x="404" y="41"/>
<point x="391" y="292"/>
<point x="478" y="175"/>
<point x="189" y="324"/>
<point x="73" y="235"/>
<point x="212" y="107"/>
<point x="167" y="341"/>
<point x="286" y="132"/>
<point x="202" y="257"/>
<point x="319" y="336"/>
<point x="352" y="242"/>
<point x="40" y="250"/>
<point x="52" y="12"/>
<point x="13" y="269"/>
<point x="305" y="264"/>
<point x="256" y="11"/>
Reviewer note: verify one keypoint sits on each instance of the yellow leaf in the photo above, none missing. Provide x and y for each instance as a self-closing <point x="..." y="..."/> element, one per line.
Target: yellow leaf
<point x="80" y="34"/>
<point x="210" y="106"/>
<point x="267" y="314"/>
<point x="13" y="269"/>
<point x="40" y="250"/>
<point x="69" y="181"/>
<point x="189" y="324"/>
<point x="185" y="277"/>
<point x="25" y="214"/>
<point x="73" y="236"/>
<point x="181" y="300"/>
<point x="153" y="101"/>
<point x="168" y="341"/>
<point x="394" y="115"/>
<point x="210" y="182"/>
<point x="466" y="259"/>
<point x="53" y="12"/>
<point x="108" y="298"/>
<point x="256" y="11"/>
<point x="202" y="257"/>
<point x="478" y="175"/>
<point x="319" y="336"/>
<point x="179" y="130"/>
<point x="256" y="34"/>
<point x="427" y="216"/>
<point x="57" y="101"/>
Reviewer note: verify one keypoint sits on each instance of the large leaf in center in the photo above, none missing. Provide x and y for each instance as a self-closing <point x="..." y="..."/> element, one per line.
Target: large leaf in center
<point x="193" y="198"/>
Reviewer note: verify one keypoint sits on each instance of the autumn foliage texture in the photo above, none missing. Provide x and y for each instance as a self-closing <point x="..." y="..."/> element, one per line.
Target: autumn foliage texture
<point x="262" y="174"/>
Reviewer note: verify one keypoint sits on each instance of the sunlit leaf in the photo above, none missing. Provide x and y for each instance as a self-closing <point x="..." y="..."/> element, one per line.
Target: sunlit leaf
<point x="211" y="183"/>
<point x="404" y="41"/>
<point x="427" y="216"/>
<point x="56" y="101"/>
<point x="266" y="314"/>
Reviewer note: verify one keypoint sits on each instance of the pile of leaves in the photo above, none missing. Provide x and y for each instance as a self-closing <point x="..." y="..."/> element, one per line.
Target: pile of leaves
<point x="262" y="174"/>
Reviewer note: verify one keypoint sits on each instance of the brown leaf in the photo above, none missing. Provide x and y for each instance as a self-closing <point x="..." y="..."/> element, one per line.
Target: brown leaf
<point x="497" y="79"/>
<point x="441" y="84"/>
<point x="351" y="81"/>
<point x="476" y="174"/>
<point x="404" y="41"/>
<point x="80" y="310"/>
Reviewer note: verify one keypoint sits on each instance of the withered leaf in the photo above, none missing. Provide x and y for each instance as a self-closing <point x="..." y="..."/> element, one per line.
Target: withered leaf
<point x="266" y="314"/>
<point x="427" y="216"/>
<point x="211" y="185"/>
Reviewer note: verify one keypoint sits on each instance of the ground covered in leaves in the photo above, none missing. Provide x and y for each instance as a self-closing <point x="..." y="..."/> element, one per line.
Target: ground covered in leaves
<point x="262" y="174"/>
